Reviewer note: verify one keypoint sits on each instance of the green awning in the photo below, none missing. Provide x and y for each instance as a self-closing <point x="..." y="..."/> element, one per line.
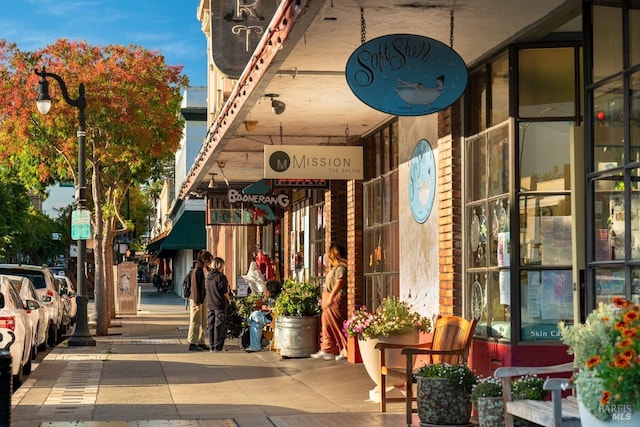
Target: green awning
<point x="188" y="232"/>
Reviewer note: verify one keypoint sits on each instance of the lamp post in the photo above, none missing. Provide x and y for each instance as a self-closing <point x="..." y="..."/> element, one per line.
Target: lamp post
<point x="81" y="335"/>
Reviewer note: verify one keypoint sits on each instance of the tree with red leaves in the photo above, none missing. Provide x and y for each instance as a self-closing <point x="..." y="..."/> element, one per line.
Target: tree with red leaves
<point x="133" y="129"/>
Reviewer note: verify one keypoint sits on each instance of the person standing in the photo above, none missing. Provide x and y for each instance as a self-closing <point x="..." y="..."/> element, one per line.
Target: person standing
<point x="218" y="300"/>
<point x="198" y="303"/>
<point x="334" y="306"/>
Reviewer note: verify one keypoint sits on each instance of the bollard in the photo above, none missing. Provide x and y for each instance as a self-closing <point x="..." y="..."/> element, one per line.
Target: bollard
<point x="6" y="388"/>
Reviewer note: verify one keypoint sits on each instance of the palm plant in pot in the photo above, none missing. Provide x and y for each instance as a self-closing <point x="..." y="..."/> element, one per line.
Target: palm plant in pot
<point x="297" y="311"/>
<point x="444" y="393"/>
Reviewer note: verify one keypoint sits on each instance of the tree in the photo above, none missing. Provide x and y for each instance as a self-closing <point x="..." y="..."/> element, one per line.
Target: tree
<point x="133" y="128"/>
<point x="26" y="234"/>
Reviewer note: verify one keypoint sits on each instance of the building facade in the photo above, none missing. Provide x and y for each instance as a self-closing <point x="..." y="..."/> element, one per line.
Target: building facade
<point x="532" y="171"/>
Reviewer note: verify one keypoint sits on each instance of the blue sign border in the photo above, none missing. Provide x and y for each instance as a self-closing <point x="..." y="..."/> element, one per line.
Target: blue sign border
<point x="406" y="74"/>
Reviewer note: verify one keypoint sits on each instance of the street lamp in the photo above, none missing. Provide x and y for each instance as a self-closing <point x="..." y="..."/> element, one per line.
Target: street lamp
<point x="81" y="335"/>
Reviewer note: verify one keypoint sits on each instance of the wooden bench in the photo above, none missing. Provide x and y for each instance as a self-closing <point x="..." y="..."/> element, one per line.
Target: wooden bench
<point x="559" y="412"/>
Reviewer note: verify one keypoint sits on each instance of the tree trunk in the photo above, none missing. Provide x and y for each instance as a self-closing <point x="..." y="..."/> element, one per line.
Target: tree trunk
<point x="101" y="296"/>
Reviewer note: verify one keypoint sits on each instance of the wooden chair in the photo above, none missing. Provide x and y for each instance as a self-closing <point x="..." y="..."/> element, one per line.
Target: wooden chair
<point x="451" y="342"/>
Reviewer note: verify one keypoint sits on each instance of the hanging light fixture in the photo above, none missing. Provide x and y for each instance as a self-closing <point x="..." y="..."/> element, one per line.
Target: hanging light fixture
<point x="277" y="106"/>
<point x="212" y="181"/>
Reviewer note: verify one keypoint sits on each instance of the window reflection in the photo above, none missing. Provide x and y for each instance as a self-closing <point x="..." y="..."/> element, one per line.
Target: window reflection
<point x="546" y="299"/>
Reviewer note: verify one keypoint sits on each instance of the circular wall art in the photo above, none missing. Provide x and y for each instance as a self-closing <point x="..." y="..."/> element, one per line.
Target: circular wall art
<point x="422" y="181"/>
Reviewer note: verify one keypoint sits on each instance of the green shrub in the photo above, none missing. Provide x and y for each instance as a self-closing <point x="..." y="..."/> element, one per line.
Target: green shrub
<point x="298" y="299"/>
<point x="460" y="376"/>
<point x="528" y="387"/>
<point x="486" y="387"/>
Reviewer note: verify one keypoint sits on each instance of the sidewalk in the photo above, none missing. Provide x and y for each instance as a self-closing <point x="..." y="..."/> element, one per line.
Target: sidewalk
<point x="143" y="375"/>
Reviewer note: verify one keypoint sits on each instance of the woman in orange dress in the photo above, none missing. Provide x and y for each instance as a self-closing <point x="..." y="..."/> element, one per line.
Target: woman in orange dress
<point x="334" y="306"/>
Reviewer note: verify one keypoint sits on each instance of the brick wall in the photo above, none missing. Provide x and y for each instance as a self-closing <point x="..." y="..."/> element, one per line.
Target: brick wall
<point x="450" y="204"/>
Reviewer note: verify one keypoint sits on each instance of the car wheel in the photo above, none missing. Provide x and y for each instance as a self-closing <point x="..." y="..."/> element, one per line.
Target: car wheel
<point x="34" y="352"/>
<point x="52" y="336"/>
<point x="17" y="379"/>
<point x="61" y="332"/>
<point x="26" y="369"/>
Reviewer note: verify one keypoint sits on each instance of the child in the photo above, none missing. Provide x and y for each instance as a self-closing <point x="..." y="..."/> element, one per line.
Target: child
<point x="262" y="315"/>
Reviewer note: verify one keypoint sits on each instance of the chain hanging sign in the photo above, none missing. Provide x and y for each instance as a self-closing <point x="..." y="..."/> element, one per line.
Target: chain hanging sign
<point x="406" y="74"/>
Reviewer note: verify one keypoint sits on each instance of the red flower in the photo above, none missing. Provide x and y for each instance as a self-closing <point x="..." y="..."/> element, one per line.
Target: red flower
<point x="593" y="361"/>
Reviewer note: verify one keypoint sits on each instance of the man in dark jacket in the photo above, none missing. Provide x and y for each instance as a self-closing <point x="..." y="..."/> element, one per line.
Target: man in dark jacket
<point x="217" y="290"/>
<point x="198" y="303"/>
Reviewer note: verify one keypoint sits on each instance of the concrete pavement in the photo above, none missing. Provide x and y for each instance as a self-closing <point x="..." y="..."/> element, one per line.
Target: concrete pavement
<point x="143" y="375"/>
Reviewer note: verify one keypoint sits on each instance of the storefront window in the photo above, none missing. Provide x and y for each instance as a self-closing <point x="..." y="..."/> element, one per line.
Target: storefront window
<point x="634" y="111"/>
<point x="544" y="155"/>
<point x="608" y="128"/>
<point x="607" y="41"/>
<point x="499" y="89"/>
<point x="634" y="33"/>
<point x="381" y="229"/>
<point x="613" y="122"/>
<point x="546" y="91"/>
<point x="476" y="167"/>
<point x="488" y="231"/>
<point x="545" y="230"/>
<point x="635" y="285"/>
<point x="546" y="298"/>
<point x="609" y="284"/>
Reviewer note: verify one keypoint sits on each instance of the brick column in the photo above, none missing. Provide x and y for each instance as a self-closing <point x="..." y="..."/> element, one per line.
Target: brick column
<point x="355" y="246"/>
<point x="450" y="205"/>
<point x="285" y="228"/>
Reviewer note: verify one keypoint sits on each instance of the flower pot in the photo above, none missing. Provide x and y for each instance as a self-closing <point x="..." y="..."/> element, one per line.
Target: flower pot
<point x="440" y="403"/>
<point x="490" y="412"/>
<point x="297" y="336"/>
<point x="621" y="417"/>
<point x="371" y="359"/>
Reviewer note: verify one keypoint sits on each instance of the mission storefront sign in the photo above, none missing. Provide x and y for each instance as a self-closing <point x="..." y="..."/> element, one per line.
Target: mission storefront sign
<point x="313" y="162"/>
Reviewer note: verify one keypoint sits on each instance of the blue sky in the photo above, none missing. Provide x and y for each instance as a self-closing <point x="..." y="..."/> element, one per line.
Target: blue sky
<point x="168" y="26"/>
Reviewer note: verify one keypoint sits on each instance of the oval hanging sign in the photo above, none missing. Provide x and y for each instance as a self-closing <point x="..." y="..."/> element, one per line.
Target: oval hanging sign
<point x="406" y="74"/>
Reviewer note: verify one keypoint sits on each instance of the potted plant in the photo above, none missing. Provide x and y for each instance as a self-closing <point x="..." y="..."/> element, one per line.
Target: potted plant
<point x="393" y="321"/>
<point x="487" y="396"/>
<point x="606" y="351"/>
<point x="238" y="312"/>
<point x="297" y="311"/>
<point x="444" y="394"/>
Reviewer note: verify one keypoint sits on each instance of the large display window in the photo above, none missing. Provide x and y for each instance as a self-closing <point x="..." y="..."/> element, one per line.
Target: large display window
<point x="518" y="196"/>
<point x="613" y="123"/>
<point x="381" y="226"/>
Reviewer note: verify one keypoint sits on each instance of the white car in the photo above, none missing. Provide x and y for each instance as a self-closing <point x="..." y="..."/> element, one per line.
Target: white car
<point x="38" y="313"/>
<point x="15" y="331"/>
<point x="47" y="290"/>
<point x="68" y="294"/>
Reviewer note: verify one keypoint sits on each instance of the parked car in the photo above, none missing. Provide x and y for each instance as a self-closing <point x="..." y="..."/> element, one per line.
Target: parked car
<point x="38" y="313"/>
<point x="68" y="294"/>
<point x="47" y="290"/>
<point x="15" y="331"/>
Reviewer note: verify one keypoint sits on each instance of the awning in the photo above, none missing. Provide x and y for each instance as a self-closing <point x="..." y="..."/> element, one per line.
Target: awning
<point x="154" y="244"/>
<point x="188" y="232"/>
